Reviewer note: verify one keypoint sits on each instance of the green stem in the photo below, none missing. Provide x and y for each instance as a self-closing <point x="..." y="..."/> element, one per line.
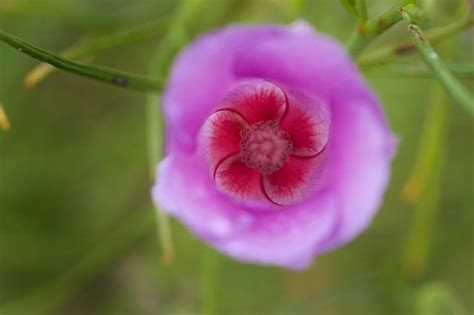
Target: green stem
<point x="361" y="7"/>
<point x="424" y="185"/>
<point x="430" y="148"/>
<point x="111" y="76"/>
<point x="88" y="47"/>
<point x="170" y="44"/>
<point x="350" y="7"/>
<point x="465" y="71"/>
<point x="155" y="150"/>
<point x="356" y="43"/>
<point x="387" y="53"/>
<point x="293" y="10"/>
<point x="210" y="267"/>
<point x="367" y="32"/>
<point x="431" y="58"/>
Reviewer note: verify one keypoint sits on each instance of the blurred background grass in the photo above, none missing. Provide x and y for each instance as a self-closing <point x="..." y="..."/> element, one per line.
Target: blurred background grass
<point x="77" y="229"/>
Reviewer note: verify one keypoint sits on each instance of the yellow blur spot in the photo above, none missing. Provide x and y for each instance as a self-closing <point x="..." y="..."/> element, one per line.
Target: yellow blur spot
<point x="412" y="190"/>
<point x="4" y="123"/>
<point x="37" y="75"/>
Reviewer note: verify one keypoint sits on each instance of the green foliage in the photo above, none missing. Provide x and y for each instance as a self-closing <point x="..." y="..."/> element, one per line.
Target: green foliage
<point x="437" y="299"/>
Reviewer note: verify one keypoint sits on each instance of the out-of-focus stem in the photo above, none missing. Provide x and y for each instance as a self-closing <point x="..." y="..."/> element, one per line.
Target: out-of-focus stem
<point x="423" y="186"/>
<point x="170" y="44"/>
<point x="350" y="7"/>
<point x="210" y="270"/>
<point x="431" y="58"/>
<point x="421" y="231"/>
<point x="87" y="47"/>
<point x="388" y="52"/>
<point x="431" y="147"/>
<point x="155" y="152"/>
<point x="108" y="75"/>
<point x="465" y="70"/>
<point x="361" y="7"/>
<point x="293" y="10"/>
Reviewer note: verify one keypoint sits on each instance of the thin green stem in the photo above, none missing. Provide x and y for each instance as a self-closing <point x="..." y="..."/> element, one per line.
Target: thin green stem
<point x="431" y="58"/>
<point x="293" y="10"/>
<point x="417" y="248"/>
<point x="123" y="37"/>
<point x="350" y="7"/>
<point x="111" y="76"/>
<point x="356" y="43"/>
<point x="155" y="151"/>
<point x="365" y="33"/>
<point x="361" y="7"/>
<point x="465" y="71"/>
<point x="210" y="268"/>
<point x="170" y="44"/>
<point x="87" y="47"/>
<point x="387" y="53"/>
<point x="430" y="148"/>
<point x="424" y="184"/>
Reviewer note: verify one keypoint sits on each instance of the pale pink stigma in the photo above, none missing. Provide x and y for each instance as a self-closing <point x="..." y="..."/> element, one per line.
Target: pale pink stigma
<point x="265" y="147"/>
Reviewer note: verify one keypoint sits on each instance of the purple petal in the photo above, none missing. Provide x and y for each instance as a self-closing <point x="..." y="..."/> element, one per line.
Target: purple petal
<point x="358" y="166"/>
<point x="287" y="236"/>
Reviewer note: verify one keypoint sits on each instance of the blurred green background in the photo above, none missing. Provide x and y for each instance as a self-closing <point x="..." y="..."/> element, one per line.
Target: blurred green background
<point x="78" y="233"/>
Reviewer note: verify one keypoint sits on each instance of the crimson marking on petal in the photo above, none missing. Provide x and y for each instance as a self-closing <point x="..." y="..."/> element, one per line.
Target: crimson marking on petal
<point x="257" y="100"/>
<point x="222" y="161"/>
<point x="294" y="181"/>
<point x="307" y="122"/>
<point x="236" y="179"/>
<point x="287" y="104"/>
<point x="220" y="136"/>
<point x="262" y="187"/>
<point x="296" y="155"/>
<point x="233" y="111"/>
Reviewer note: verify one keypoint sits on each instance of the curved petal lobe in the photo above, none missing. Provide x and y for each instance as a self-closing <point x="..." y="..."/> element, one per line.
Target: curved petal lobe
<point x="257" y="100"/>
<point x="234" y="177"/>
<point x="307" y="121"/>
<point x="295" y="180"/>
<point x="220" y="136"/>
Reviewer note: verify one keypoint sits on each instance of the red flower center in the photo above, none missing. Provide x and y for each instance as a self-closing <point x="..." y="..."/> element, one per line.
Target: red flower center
<point x="264" y="144"/>
<point x="265" y="147"/>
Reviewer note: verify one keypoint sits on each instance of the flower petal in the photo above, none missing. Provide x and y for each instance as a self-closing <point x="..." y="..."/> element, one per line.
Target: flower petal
<point x="288" y="237"/>
<point x="295" y="180"/>
<point x="302" y="58"/>
<point x="257" y="100"/>
<point x="235" y="178"/>
<point x="307" y="120"/>
<point x="220" y="136"/>
<point x="201" y="76"/>
<point x="358" y="166"/>
<point x="185" y="190"/>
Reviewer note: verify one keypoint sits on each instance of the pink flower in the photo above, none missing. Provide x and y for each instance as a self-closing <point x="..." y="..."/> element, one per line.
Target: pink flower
<point x="276" y="148"/>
